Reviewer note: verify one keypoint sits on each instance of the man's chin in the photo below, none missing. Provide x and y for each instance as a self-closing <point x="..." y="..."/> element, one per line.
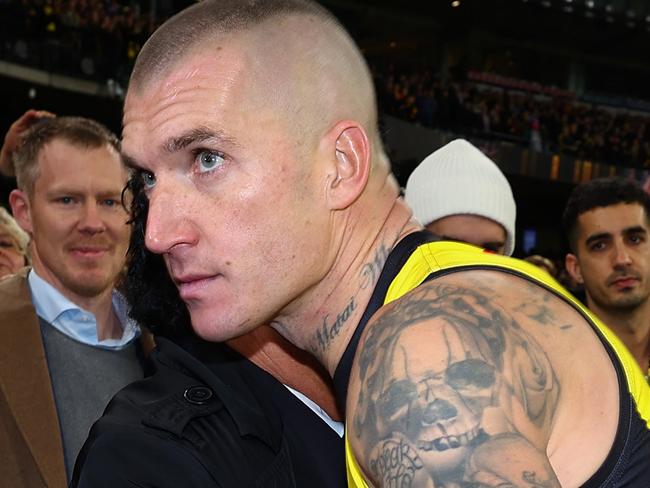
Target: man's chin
<point x="211" y="334"/>
<point x="629" y="300"/>
<point x="90" y="285"/>
<point x="211" y="327"/>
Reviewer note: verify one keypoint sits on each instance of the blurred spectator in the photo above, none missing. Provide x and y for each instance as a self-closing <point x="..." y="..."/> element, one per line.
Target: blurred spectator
<point x="608" y="226"/>
<point x="567" y="281"/>
<point x="13" y="245"/>
<point x="65" y="341"/>
<point x="13" y="138"/>
<point x="542" y="262"/>
<point x="459" y="194"/>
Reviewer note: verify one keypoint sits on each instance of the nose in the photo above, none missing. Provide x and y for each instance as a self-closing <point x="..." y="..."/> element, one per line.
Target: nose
<point x="168" y="226"/>
<point x="91" y="221"/>
<point x="622" y="256"/>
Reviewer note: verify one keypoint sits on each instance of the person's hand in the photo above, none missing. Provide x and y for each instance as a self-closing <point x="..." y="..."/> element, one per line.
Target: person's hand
<point x="14" y="135"/>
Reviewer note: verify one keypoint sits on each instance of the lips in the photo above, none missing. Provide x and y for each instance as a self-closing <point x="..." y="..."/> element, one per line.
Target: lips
<point x="191" y="286"/>
<point x="89" y="251"/>
<point x="624" y="281"/>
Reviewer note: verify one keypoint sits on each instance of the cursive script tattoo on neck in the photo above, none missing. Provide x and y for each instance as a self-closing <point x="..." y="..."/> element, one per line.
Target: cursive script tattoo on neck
<point x="330" y="327"/>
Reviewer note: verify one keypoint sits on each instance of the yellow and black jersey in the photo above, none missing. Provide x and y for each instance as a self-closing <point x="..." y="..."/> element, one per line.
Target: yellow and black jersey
<point x="420" y="257"/>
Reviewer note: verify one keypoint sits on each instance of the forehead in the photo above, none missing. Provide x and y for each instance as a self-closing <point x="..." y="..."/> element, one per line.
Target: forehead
<point x="63" y="163"/>
<point x="612" y="219"/>
<point x="468" y="227"/>
<point x="209" y="84"/>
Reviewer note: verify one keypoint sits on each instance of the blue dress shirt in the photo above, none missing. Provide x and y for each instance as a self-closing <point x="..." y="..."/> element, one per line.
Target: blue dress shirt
<point x="73" y="321"/>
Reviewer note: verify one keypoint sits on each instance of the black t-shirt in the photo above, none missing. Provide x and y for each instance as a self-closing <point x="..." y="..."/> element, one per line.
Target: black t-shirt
<point x="208" y="417"/>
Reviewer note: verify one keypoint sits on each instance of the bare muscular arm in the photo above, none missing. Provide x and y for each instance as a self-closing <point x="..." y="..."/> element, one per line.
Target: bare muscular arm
<point x="449" y="390"/>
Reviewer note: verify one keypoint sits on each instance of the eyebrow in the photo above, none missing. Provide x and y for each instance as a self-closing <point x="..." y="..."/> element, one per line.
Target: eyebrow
<point x="178" y="143"/>
<point x="597" y="237"/>
<point x="606" y="235"/>
<point x="62" y="190"/>
<point x="195" y="136"/>
<point x="634" y="230"/>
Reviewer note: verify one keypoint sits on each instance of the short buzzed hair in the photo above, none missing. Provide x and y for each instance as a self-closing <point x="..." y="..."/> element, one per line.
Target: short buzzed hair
<point x="207" y="18"/>
<point x="77" y="131"/>
<point x="327" y="78"/>
<point x="601" y="192"/>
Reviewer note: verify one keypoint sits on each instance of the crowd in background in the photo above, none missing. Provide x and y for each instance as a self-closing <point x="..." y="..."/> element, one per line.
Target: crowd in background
<point x="544" y="123"/>
<point x="95" y="38"/>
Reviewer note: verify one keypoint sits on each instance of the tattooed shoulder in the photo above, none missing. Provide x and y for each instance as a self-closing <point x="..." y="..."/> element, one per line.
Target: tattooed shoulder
<point x="445" y="376"/>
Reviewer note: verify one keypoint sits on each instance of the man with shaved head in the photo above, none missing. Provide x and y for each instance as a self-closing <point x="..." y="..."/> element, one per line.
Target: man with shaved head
<point x="252" y="125"/>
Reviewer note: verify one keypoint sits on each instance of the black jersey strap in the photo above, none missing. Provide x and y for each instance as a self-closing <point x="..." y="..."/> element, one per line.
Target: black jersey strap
<point x="394" y="263"/>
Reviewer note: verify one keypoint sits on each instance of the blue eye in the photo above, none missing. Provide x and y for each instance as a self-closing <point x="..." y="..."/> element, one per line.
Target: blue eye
<point x="209" y="160"/>
<point x="148" y="179"/>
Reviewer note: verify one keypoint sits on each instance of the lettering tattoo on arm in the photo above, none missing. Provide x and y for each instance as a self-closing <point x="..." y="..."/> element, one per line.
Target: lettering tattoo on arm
<point x="469" y="415"/>
<point x="395" y="462"/>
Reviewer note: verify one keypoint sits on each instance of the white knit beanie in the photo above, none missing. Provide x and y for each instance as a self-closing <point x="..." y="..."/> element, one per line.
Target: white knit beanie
<point x="459" y="179"/>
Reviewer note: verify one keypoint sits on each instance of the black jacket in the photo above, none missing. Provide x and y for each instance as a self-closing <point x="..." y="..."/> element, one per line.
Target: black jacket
<point x="208" y="419"/>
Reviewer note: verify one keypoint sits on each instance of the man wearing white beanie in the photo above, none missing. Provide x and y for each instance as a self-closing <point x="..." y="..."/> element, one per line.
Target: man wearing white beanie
<point x="459" y="194"/>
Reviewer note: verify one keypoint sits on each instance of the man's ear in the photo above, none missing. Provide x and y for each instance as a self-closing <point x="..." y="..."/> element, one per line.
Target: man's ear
<point x="351" y="168"/>
<point x="572" y="266"/>
<point x="20" y="209"/>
